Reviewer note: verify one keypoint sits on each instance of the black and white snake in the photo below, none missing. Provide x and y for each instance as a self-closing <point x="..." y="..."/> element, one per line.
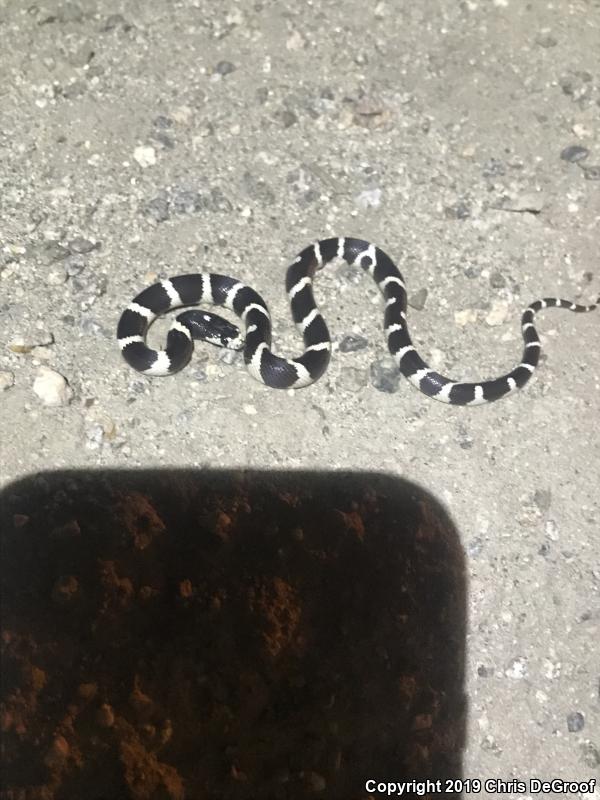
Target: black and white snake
<point x="281" y="373"/>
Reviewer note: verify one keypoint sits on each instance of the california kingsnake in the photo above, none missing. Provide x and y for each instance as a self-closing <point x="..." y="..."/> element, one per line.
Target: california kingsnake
<point x="280" y="373"/>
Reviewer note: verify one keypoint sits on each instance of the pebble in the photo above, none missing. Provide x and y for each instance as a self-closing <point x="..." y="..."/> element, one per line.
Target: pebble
<point x="186" y="201"/>
<point x="352" y="342"/>
<point x="497" y="280"/>
<point x="542" y="499"/>
<point x="517" y="669"/>
<point x="56" y="278"/>
<point x="287" y="118"/>
<point x="418" y="299"/>
<point x="162" y="122"/>
<point x="157" y="209"/>
<point x="574" y="153"/>
<point x="74" y="265"/>
<point x="533" y="202"/>
<point x="590" y="755"/>
<point x="225" y="68"/>
<point x="385" y="376"/>
<point x="51" y="387"/>
<point x="115" y="21"/>
<point x="7" y="379"/>
<point x="575" y="721"/>
<point x="545" y="40"/>
<point x="145" y="156"/>
<point x="466" y="316"/>
<point x="370" y="198"/>
<point x="25" y="344"/>
<point x="591" y="173"/>
<point x="459" y="210"/>
<point x="498" y="313"/>
<point x="79" y="245"/>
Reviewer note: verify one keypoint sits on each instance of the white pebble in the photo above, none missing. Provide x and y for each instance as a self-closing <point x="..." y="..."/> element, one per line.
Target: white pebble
<point x="370" y="198"/>
<point x="465" y="316"/>
<point x="145" y="156"/>
<point x="498" y="313"/>
<point x="249" y="409"/>
<point x="7" y="379"/>
<point x="517" y="669"/>
<point x="51" y="387"/>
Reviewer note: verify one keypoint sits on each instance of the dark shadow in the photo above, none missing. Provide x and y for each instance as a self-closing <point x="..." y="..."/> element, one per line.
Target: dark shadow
<point x="228" y="635"/>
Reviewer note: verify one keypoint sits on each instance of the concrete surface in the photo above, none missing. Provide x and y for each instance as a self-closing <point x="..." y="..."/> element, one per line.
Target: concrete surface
<point x="147" y="139"/>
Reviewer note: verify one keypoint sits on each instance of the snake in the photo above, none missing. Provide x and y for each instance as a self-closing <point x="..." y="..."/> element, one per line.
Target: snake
<point x="282" y="373"/>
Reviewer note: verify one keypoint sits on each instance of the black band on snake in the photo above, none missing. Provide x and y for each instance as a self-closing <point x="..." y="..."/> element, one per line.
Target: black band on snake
<point x="281" y="373"/>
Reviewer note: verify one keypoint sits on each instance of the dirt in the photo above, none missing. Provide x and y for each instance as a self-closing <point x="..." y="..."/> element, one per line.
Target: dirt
<point x="182" y="636"/>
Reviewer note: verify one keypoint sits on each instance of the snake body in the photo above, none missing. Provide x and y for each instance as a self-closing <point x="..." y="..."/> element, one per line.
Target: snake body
<point x="282" y="373"/>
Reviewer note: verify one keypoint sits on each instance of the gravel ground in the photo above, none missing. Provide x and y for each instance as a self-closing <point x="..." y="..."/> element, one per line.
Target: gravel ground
<point x="140" y="140"/>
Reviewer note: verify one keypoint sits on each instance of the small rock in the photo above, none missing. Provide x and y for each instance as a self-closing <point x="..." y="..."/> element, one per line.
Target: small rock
<point x="145" y="156"/>
<point x="186" y="201"/>
<point x="418" y="299"/>
<point x="591" y="173"/>
<point x="574" y="153"/>
<point x="157" y="209"/>
<point x="370" y="198"/>
<point x="460" y="210"/>
<point x="466" y="316"/>
<point x="225" y="68"/>
<point x="56" y="278"/>
<point x="51" y="387"/>
<point x="385" y="376"/>
<point x="287" y="118"/>
<point x="74" y="265"/>
<point x="162" y="122"/>
<point x="115" y="21"/>
<point x="545" y="40"/>
<point x="7" y="379"/>
<point x="590" y="755"/>
<point x="79" y="245"/>
<point x="497" y="280"/>
<point x="352" y="342"/>
<point x="25" y="344"/>
<point x="542" y="499"/>
<point x="575" y="721"/>
<point x="517" y="669"/>
<point x="498" y="314"/>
